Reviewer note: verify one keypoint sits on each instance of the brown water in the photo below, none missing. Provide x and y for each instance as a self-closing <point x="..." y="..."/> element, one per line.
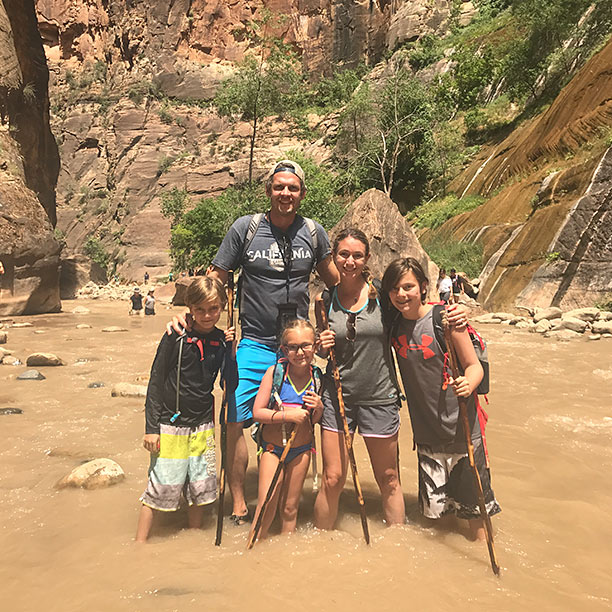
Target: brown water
<point x="549" y="436"/>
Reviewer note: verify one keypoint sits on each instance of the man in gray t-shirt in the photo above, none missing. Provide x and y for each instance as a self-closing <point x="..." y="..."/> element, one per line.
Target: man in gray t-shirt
<point x="276" y="269"/>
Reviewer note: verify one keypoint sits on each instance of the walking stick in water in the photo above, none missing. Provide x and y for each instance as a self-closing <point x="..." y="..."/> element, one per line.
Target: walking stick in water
<point x="223" y="414"/>
<point x="279" y="468"/>
<point x="486" y="519"/>
<point x="348" y="442"/>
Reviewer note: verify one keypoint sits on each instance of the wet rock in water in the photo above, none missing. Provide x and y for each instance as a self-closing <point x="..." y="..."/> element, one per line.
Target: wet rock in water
<point x="31" y="375"/>
<point x="40" y="331"/>
<point x="525" y="325"/>
<point x="487" y="318"/>
<point x="543" y="326"/>
<point x="3" y="337"/>
<point x="602" y="327"/>
<point x="93" y="475"/>
<point x="128" y="390"/>
<point x="585" y="314"/>
<point x="11" y="411"/>
<point x="547" y="313"/>
<point x="114" y="328"/>
<point x="83" y="326"/>
<point x="10" y="360"/>
<point x="80" y="310"/>
<point x="518" y="319"/>
<point x="44" y="359"/>
<point x="95" y="385"/>
<point x="575" y="325"/>
<point x="23" y="324"/>
<point x="594" y="337"/>
<point x="564" y="335"/>
<point x="4" y="352"/>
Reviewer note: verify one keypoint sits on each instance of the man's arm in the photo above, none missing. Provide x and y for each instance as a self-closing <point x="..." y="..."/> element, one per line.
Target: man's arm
<point x="219" y="273"/>
<point x="328" y="272"/>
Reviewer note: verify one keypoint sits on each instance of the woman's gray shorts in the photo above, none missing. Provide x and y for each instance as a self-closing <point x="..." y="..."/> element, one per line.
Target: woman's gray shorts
<point x="371" y="421"/>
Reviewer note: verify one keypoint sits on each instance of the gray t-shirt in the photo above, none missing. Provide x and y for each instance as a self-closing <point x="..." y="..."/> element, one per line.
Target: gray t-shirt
<point x="365" y="363"/>
<point x="264" y="280"/>
<point x="434" y="411"/>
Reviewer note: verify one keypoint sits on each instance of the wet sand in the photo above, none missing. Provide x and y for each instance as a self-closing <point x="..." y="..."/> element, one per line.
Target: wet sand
<point x="549" y="438"/>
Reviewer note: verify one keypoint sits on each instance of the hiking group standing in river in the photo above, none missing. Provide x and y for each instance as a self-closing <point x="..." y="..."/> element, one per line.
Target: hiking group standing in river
<point x="364" y="324"/>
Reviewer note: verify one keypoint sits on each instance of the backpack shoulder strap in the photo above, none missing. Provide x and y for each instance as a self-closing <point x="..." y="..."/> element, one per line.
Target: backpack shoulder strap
<point x="312" y="228"/>
<point x="438" y="328"/>
<point x="317" y="379"/>
<point x="326" y="296"/>
<point x="250" y="233"/>
<point x="278" y="375"/>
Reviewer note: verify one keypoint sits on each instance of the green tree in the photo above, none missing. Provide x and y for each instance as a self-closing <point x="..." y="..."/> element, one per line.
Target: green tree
<point x="173" y="205"/>
<point x="266" y="82"/>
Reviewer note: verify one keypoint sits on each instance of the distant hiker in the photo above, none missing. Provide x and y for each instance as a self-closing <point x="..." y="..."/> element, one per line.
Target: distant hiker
<point x="445" y="285"/>
<point x="366" y="373"/>
<point x="136" y="299"/>
<point x="300" y="407"/>
<point x="446" y="486"/>
<point x="180" y="431"/>
<point x="149" y="306"/>
<point x="277" y="252"/>
<point x="457" y="284"/>
<point x="170" y="277"/>
<point x="146" y="278"/>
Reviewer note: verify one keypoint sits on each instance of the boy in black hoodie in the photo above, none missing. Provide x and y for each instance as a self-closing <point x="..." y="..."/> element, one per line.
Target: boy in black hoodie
<point x="180" y="432"/>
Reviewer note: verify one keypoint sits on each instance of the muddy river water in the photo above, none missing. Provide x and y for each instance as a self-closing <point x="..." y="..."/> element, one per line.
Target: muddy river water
<point x="550" y="440"/>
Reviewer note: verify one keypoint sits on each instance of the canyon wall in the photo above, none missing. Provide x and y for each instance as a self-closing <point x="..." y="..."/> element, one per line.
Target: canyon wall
<point x="29" y="167"/>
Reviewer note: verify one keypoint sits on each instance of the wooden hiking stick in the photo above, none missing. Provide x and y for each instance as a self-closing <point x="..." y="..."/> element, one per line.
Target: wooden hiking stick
<point x="323" y="324"/>
<point x="223" y="413"/>
<point x="313" y="462"/>
<point x="281" y="463"/>
<point x="486" y="519"/>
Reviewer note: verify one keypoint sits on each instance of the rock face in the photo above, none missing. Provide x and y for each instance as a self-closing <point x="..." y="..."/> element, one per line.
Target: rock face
<point x="28" y="249"/>
<point x="389" y="234"/>
<point x="94" y="474"/>
<point x="546" y="233"/>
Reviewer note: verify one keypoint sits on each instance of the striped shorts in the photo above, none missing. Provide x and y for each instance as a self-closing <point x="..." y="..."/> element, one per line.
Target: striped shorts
<point x="185" y="465"/>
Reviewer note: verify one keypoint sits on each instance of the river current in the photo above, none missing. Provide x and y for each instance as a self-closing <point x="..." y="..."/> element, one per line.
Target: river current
<point x="550" y="444"/>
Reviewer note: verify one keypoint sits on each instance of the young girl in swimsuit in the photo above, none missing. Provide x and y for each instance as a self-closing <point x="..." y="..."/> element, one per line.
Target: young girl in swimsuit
<point x="299" y="407"/>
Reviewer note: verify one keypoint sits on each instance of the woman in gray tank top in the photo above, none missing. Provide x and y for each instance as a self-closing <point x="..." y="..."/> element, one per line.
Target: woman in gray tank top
<point x="369" y="393"/>
<point x="445" y="484"/>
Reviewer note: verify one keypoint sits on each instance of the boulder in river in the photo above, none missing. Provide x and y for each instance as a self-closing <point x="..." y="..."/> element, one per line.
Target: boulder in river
<point x="128" y="390"/>
<point x="44" y="359"/>
<point x="4" y="352"/>
<point x="586" y="314"/>
<point x="547" y="313"/>
<point x="3" y="337"/>
<point x="83" y="326"/>
<point x="571" y="323"/>
<point x="96" y="385"/>
<point x="22" y="324"/>
<point x="10" y="360"/>
<point x="602" y="327"/>
<point x="114" y="328"/>
<point x="31" y="375"/>
<point x="563" y="335"/>
<point x="93" y="475"/>
<point x="80" y="310"/>
<point x="543" y="326"/>
<point x="10" y="410"/>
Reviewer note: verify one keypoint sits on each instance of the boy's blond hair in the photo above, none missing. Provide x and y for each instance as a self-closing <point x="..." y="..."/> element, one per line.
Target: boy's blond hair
<point x="296" y="324"/>
<point x="205" y="289"/>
